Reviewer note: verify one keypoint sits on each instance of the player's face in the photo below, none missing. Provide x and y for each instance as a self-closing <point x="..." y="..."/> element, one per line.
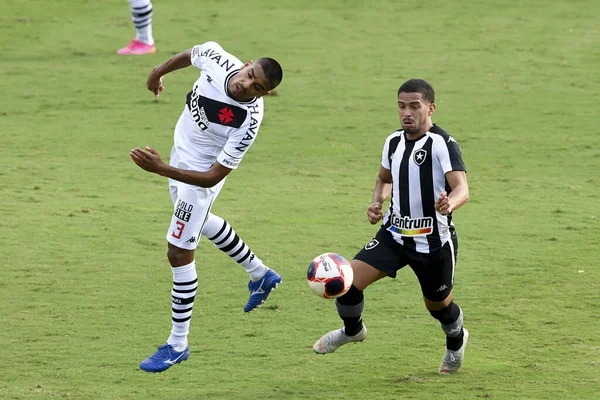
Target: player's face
<point x="250" y="82"/>
<point x="415" y="112"/>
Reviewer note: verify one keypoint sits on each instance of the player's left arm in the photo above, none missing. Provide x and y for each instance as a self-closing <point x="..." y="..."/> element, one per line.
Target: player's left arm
<point x="449" y="155"/>
<point x="149" y="160"/>
<point x="446" y="203"/>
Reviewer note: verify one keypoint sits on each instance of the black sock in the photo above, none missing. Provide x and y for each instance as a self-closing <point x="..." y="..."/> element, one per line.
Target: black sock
<point x="456" y="342"/>
<point x="350" y="307"/>
<point x="451" y="319"/>
<point x="352" y="325"/>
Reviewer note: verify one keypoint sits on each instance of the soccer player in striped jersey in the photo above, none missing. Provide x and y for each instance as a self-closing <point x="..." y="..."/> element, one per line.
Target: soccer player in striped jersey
<point x="219" y="123"/>
<point x="141" y="15"/>
<point x="423" y="175"/>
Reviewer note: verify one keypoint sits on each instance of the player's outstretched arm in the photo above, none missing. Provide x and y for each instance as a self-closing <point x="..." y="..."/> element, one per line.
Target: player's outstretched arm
<point x="150" y="161"/>
<point x="178" y="61"/>
<point x="382" y="192"/>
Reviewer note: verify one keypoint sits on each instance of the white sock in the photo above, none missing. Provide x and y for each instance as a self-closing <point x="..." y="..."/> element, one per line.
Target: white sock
<point x="185" y="283"/>
<point x="223" y="236"/>
<point x="141" y="14"/>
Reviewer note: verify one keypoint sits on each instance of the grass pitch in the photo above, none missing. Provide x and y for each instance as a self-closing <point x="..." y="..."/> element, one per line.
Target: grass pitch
<point x="84" y="286"/>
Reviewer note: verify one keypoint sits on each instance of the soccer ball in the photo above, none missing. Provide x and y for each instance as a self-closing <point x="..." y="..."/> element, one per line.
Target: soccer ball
<point x="329" y="275"/>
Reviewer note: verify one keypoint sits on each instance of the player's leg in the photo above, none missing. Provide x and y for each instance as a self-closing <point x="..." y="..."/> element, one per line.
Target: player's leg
<point x="350" y="307"/>
<point x="376" y="260"/>
<point x="262" y="279"/>
<point x="192" y="205"/>
<point x="451" y="319"/>
<point x="436" y="276"/>
<point x="183" y="293"/>
<point x="141" y="15"/>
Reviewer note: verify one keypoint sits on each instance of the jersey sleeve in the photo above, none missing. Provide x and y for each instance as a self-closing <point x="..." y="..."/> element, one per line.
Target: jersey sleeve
<point x="385" y="155"/>
<point x="390" y="146"/>
<point x="450" y="156"/>
<point x="200" y="53"/>
<point x="238" y="144"/>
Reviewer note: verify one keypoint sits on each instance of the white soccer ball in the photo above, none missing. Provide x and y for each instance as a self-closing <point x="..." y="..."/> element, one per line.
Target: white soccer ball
<point x="329" y="275"/>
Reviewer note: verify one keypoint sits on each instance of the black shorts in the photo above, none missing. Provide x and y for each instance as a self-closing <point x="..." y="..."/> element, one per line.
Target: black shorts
<point x="435" y="271"/>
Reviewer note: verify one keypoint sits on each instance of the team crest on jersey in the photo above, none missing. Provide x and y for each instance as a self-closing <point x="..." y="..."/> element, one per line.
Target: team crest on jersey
<point x="226" y="115"/>
<point x="204" y="109"/>
<point x="419" y="156"/>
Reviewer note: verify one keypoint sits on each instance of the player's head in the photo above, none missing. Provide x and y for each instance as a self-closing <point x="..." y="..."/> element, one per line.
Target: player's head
<point x="416" y="105"/>
<point x="255" y="79"/>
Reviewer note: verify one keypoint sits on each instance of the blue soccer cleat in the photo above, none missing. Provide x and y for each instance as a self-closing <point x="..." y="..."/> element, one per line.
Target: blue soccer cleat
<point x="260" y="290"/>
<point x="164" y="358"/>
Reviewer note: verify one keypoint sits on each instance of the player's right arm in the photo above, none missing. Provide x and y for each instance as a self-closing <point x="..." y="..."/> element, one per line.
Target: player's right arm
<point x="383" y="185"/>
<point x="178" y="61"/>
<point x="382" y="192"/>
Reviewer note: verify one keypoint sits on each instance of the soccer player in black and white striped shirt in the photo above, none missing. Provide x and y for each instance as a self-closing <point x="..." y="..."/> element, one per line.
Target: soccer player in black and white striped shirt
<point x="423" y="175"/>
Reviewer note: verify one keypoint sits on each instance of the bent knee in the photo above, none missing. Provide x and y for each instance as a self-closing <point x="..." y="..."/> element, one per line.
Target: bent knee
<point x="365" y="274"/>
<point x="437" y="305"/>
<point x="178" y="256"/>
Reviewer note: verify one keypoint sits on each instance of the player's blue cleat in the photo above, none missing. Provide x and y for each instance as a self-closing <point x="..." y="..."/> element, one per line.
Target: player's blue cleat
<point x="164" y="358"/>
<point x="260" y="290"/>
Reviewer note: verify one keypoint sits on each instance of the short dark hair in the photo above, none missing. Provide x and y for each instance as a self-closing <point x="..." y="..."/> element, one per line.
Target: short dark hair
<point x="272" y="70"/>
<point x="418" y="86"/>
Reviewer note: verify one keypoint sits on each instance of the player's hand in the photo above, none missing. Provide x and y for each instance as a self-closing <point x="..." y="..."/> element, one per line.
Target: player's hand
<point x="155" y="82"/>
<point x="442" y="204"/>
<point x="374" y="213"/>
<point x="148" y="160"/>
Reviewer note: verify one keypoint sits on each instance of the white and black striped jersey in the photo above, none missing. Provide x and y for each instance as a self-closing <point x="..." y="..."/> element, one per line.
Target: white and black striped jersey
<point x="213" y="126"/>
<point x="418" y="169"/>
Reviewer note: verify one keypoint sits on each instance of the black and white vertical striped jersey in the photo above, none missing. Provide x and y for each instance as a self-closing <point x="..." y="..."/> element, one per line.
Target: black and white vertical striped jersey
<point x="418" y="169"/>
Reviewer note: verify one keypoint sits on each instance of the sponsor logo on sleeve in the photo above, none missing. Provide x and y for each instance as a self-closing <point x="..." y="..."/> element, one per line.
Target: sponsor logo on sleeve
<point x="231" y="162"/>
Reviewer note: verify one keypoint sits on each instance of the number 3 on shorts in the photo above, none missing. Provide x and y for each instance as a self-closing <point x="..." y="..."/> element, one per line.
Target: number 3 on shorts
<point x="179" y="230"/>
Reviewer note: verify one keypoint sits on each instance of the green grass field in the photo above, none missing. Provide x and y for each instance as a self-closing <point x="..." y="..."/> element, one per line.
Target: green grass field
<point x="85" y="283"/>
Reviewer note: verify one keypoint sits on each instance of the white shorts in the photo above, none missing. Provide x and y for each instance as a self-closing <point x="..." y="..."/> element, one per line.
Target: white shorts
<point x="191" y="207"/>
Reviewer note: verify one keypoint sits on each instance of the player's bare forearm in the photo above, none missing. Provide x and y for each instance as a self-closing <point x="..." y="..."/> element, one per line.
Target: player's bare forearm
<point x="149" y="160"/>
<point x="178" y="61"/>
<point x="458" y="196"/>
<point x="204" y="179"/>
<point x="383" y="186"/>
<point x="446" y="203"/>
<point x="382" y="191"/>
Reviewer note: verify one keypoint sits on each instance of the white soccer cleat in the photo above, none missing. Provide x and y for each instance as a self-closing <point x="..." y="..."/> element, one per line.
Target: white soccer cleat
<point x="453" y="360"/>
<point x="334" y="339"/>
